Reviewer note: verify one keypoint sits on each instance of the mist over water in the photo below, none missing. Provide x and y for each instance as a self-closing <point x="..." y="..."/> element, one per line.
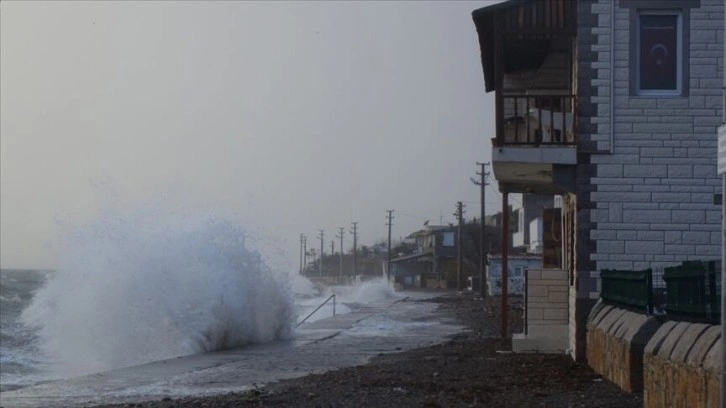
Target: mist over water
<point x="148" y="285"/>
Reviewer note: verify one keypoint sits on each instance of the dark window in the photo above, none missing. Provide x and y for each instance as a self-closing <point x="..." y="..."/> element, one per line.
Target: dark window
<point x="659" y="53"/>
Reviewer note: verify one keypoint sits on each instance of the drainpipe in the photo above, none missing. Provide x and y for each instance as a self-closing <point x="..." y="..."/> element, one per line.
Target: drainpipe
<point x="723" y="292"/>
<point x="505" y="263"/>
<point x="723" y="260"/>
<point x="612" y="74"/>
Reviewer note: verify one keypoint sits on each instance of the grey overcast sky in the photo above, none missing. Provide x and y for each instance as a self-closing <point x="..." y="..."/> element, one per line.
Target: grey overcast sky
<point x="299" y="115"/>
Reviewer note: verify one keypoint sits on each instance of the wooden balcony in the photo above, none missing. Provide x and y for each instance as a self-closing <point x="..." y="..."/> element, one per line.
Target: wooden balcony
<point x="535" y="120"/>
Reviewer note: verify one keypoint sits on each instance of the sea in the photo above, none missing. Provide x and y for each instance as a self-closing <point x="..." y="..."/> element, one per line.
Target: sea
<point x="133" y="289"/>
<point x="26" y="359"/>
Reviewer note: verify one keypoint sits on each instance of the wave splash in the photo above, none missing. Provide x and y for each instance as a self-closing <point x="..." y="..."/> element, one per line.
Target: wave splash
<point x="131" y="289"/>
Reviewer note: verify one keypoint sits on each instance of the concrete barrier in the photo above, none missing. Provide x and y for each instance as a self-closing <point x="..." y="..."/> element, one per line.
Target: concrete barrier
<point x="682" y="366"/>
<point x="616" y="340"/>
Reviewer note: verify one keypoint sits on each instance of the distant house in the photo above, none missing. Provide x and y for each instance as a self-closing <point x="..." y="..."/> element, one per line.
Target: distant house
<point x="517" y="267"/>
<point x="433" y="263"/>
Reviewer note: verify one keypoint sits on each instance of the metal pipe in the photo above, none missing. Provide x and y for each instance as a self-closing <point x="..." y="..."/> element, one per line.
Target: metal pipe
<point x="318" y="308"/>
<point x="505" y="263"/>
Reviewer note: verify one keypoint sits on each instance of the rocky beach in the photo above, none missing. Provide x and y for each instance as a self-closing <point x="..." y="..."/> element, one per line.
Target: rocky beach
<point x="474" y="368"/>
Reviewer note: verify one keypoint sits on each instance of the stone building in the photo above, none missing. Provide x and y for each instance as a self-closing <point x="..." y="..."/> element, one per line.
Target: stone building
<point x="612" y="105"/>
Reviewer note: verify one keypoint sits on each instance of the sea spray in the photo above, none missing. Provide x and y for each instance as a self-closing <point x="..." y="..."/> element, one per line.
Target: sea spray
<point x="137" y="287"/>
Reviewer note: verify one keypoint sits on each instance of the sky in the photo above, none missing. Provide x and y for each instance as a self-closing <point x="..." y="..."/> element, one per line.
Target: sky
<point x="296" y="116"/>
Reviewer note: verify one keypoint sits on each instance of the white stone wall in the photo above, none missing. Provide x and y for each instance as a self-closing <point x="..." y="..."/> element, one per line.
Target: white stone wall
<point x="654" y="204"/>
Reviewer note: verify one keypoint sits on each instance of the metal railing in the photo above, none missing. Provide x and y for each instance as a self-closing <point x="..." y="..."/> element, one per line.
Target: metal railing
<point x="689" y="291"/>
<point x="537" y="120"/>
<point x="627" y="289"/>
<point x="318" y="308"/>
<point x="692" y="290"/>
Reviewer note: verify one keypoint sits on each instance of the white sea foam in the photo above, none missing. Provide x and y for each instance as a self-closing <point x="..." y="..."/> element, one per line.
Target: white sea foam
<point x="140" y="287"/>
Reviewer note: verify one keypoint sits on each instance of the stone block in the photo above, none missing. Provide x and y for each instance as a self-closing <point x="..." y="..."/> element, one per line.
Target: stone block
<point x="696" y="237"/>
<point x="671" y="340"/>
<point x="557" y="297"/>
<point x="655" y="342"/>
<point x="703" y="345"/>
<point x="686" y="341"/>
<point x="680" y="171"/>
<point x="555" y="314"/>
<point x="534" y="274"/>
<point x="639" y="170"/>
<point x="689" y="216"/>
<point x="554" y="274"/>
<point x="644" y="247"/>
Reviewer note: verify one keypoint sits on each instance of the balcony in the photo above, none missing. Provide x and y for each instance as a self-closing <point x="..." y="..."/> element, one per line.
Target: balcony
<point x="536" y="120"/>
<point x="528" y="59"/>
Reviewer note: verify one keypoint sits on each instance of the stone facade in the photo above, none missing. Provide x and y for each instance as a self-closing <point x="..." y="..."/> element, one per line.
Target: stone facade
<point x="648" y="191"/>
<point x="656" y="182"/>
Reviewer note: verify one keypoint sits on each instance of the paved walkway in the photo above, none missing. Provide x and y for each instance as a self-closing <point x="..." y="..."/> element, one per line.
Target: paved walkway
<point x="343" y="340"/>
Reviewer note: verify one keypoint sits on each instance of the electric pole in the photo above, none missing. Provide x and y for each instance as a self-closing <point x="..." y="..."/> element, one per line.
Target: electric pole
<point x="460" y="215"/>
<point x="355" y="249"/>
<point x="321" y="235"/>
<point x="301" y="253"/>
<point x="483" y="262"/>
<point x="505" y="264"/>
<point x="389" y="223"/>
<point x="340" y="271"/>
<point x="305" y="252"/>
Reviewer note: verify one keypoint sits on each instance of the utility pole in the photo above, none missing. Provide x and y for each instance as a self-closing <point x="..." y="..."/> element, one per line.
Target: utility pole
<point x="505" y="264"/>
<point x="321" y="235"/>
<point x="389" y="223"/>
<point x="302" y="236"/>
<point x="355" y="249"/>
<point x="340" y="271"/>
<point x="305" y="252"/>
<point x="483" y="262"/>
<point x="460" y="215"/>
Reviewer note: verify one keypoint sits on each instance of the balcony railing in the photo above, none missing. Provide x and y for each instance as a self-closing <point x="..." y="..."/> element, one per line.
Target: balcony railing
<point x="536" y="120"/>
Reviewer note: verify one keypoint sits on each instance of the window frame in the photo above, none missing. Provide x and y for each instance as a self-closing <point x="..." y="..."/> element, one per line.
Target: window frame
<point x="638" y="7"/>
<point x="679" y="53"/>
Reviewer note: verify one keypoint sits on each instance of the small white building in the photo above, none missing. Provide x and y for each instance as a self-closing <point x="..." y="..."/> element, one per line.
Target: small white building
<point x="517" y="266"/>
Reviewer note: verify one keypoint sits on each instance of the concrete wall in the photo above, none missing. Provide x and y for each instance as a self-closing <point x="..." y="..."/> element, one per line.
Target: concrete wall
<point x="547" y="299"/>
<point x="616" y="341"/>
<point x="546" y="313"/>
<point x="682" y="364"/>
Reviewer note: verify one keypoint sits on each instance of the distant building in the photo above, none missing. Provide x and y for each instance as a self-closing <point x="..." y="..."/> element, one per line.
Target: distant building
<point x="433" y="263"/>
<point x="517" y="267"/>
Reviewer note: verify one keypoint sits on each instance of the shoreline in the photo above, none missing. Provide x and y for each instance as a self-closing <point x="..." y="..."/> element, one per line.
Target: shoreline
<point x="468" y="369"/>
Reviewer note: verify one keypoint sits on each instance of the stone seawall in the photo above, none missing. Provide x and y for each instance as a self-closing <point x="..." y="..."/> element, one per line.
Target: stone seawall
<point x="616" y="341"/>
<point x="682" y="364"/>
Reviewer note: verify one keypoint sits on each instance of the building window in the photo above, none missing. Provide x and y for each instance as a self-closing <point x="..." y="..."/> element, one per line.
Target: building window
<point x="660" y="53"/>
<point x="448" y="239"/>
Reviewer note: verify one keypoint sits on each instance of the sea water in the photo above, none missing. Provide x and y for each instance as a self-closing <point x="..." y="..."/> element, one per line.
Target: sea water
<point x="142" y="287"/>
<point x="134" y="288"/>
